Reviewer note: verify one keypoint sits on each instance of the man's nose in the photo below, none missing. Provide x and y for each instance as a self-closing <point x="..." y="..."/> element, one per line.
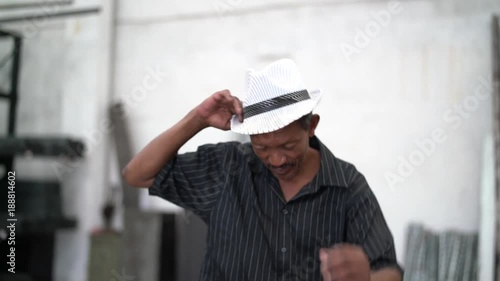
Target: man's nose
<point x="277" y="159"/>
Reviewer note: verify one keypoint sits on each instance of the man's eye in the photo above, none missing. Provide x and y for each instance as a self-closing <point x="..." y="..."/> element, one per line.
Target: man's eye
<point x="289" y="146"/>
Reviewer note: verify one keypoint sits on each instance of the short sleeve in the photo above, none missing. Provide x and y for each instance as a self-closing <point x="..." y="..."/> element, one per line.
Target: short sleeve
<point x="366" y="226"/>
<point x="194" y="180"/>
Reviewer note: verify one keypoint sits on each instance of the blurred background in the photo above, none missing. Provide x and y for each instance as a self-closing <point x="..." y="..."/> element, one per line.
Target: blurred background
<point x="410" y="97"/>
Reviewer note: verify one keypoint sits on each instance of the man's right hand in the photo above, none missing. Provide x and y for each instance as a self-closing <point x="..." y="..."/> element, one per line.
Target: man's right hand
<point x="218" y="109"/>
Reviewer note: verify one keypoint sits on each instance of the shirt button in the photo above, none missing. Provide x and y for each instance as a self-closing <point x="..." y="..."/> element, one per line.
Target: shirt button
<point x="283" y="250"/>
<point x="285" y="212"/>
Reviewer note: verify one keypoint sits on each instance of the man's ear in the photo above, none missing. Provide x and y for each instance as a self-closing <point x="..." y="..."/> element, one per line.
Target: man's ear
<point x="314" y="124"/>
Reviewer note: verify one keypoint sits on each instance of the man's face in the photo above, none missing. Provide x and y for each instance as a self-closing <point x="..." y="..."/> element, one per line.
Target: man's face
<point x="283" y="151"/>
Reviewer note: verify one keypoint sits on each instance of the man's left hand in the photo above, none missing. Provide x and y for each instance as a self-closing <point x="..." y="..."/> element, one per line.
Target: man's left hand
<point x="344" y="262"/>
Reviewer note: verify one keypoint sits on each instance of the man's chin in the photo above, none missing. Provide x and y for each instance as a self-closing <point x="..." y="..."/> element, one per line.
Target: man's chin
<point x="289" y="175"/>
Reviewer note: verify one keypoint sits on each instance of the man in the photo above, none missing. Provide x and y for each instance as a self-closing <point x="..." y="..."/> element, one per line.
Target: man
<point x="282" y="207"/>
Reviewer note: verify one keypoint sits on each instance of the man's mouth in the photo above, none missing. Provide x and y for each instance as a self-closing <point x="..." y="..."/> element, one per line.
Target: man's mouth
<point x="282" y="170"/>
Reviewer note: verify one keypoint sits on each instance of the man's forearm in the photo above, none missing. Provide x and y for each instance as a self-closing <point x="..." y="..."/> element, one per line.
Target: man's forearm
<point x="142" y="169"/>
<point x="386" y="274"/>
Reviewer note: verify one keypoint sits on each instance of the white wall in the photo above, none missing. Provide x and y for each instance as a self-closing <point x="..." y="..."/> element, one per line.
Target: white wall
<point x="377" y="104"/>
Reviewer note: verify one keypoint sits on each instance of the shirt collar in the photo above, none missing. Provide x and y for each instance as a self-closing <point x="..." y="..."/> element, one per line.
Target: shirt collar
<point x="331" y="171"/>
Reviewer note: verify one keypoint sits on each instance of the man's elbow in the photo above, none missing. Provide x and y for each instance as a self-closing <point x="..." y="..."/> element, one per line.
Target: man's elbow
<point x="128" y="177"/>
<point x="134" y="180"/>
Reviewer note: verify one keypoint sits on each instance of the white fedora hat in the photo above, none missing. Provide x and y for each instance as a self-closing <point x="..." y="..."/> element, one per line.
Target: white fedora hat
<point x="275" y="97"/>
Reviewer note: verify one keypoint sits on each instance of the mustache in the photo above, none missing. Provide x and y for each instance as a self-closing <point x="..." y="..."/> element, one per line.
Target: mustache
<point x="284" y="166"/>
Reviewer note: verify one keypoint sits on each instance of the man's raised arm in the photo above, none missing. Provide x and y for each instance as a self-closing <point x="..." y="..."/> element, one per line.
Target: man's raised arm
<point x="216" y="111"/>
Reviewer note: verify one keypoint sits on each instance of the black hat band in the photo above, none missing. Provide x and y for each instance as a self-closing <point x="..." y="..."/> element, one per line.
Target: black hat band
<point x="275" y="103"/>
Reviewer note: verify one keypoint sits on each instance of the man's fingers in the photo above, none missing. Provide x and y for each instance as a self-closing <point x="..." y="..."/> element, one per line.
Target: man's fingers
<point x="333" y="261"/>
<point x="232" y="103"/>
<point x="238" y="108"/>
<point x="344" y="262"/>
<point x="325" y="266"/>
<point x="337" y="255"/>
<point x="224" y="99"/>
<point x="227" y="126"/>
<point x="220" y="96"/>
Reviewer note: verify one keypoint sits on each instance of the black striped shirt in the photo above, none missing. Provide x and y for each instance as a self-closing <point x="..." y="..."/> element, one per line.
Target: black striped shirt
<point x="253" y="233"/>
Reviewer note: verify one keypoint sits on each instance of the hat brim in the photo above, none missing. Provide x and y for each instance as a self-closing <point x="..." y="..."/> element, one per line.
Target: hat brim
<point x="276" y="119"/>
